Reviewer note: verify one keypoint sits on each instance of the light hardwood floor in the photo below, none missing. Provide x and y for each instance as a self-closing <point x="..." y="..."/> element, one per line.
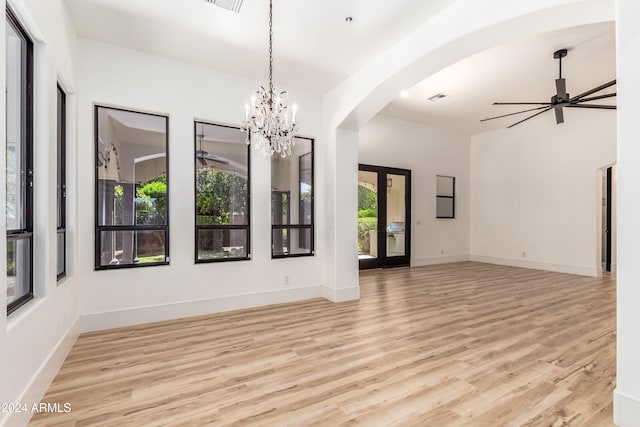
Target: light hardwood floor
<point x="462" y="344"/>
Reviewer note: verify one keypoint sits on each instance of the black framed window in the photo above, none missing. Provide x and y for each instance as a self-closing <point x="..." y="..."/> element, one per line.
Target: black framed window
<point x="292" y="211"/>
<point x="132" y="179"/>
<point x="19" y="163"/>
<point x="222" y="193"/>
<point x="61" y="186"/>
<point x="445" y="196"/>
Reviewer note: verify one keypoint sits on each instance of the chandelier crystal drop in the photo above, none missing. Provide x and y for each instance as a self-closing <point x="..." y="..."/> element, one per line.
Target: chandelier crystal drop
<point x="269" y="122"/>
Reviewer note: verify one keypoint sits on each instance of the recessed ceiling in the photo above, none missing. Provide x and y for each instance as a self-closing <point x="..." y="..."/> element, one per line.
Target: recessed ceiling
<point x="523" y="70"/>
<point x="314" y="47"/>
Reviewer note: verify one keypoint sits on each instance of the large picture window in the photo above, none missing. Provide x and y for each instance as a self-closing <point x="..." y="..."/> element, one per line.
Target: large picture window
<point x="222" y="188"/>
<point x="132" y="201"/>
<point x="292" y="213"/>
<point x="61" y="186"/>
<point x="19" y="163"/>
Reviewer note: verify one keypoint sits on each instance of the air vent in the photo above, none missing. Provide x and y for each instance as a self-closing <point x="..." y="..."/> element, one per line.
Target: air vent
<point x="232" y="5"/>
<point x="437" y="97"/>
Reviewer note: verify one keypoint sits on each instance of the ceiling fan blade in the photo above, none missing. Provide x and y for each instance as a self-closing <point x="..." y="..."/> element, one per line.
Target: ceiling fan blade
<point x="559" y="115"/>
<point x="512" y="114"/>
<point x="593" y="98"/>
<point x="224" y="162"/>
<point x="530" y="117"/>
<point x="601" y="107"/>
<point x="594" y="90"/>
<point x="561" y="89"/>
<point x="521" y="103"/>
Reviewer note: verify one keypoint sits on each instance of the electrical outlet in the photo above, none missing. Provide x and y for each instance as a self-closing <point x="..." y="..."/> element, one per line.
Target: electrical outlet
<point x="524" y="254"/>
<point x="63" y="320"/>
<point x="441" y="251"/>
<point x="286" y="279"/>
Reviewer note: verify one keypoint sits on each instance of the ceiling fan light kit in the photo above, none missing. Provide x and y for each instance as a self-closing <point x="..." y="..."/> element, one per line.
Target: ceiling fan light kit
<point x="561" y="99"/>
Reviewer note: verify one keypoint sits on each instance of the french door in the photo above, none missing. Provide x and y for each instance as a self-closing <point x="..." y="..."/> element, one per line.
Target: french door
<point x="384" y="216"/>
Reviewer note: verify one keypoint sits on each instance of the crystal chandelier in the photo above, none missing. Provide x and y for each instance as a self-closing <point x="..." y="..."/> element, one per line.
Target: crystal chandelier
<point x="269" y="122"/>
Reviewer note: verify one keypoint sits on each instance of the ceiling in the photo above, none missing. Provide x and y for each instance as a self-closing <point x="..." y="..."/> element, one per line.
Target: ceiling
<point x="315" y="49"/>
<point x="523" y="70"/>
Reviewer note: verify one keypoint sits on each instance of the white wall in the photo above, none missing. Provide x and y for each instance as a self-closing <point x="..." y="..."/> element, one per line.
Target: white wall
<point x="427" y="151"/>
<point x="627" y="395"/>
<point x="126" y="78"/>
<point x="535" y="192"/>
<point x="463" y="29"/>
<point x="35" y="339"/>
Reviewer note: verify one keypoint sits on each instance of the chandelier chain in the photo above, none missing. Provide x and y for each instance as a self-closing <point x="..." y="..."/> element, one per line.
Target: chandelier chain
<point x="271" y="50"/>
<point x="269" y="122"/>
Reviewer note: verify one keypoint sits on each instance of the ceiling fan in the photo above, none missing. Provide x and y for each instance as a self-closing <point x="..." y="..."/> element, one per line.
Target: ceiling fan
<point x="203" y="156"/>
<point x="561" y="99"/>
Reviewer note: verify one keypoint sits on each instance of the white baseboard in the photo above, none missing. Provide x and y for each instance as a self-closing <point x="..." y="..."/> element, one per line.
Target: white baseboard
<point x="626" y="410"/>
<point x="439" y="260"/>
<point x="41" y="381"/>
<point x="140" y="315"/>
<point x="341" y="294"/>
<point x="523" y="263"/>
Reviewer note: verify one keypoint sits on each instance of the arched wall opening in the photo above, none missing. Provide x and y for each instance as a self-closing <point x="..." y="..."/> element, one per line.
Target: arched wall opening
<point x="462" y="30"/>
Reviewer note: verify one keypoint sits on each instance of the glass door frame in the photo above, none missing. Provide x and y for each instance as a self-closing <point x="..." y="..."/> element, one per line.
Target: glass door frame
<point x="382" y="260"/>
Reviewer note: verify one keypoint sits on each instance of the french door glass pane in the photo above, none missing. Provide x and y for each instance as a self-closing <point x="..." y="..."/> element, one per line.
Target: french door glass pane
<point x="367" y="214"/>
<point x="396" y="185"/>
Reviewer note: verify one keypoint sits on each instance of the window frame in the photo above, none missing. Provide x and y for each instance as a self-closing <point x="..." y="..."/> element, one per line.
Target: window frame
<point x="197" y="227"/>
<point x="313" y="210"/>
<point x="26" y="163"/>
<point x="61" y="171"/>
<point x="452" y="197"/>
<point x="101" y="228"/>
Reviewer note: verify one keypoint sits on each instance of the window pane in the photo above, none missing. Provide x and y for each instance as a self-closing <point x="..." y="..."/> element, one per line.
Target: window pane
<point x="292" y="241"/>
<point x="292" y="186"/>
<point x="444" y="207"/>
<point x="222" y="243"/>
<point x="60" y="245"/>
<point x="444" y="185"/>
<point x="60" y="184"/>
<point x="132" y="247"/>
<point x="222" y="167"/>
<point x="280" y="207"/>
<point x="305" y="173"/>
<point x="131" y="159"/>
<point x="18" y="268"/>
<point x="15" y="115"/>
<point x="292" y="200"/>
